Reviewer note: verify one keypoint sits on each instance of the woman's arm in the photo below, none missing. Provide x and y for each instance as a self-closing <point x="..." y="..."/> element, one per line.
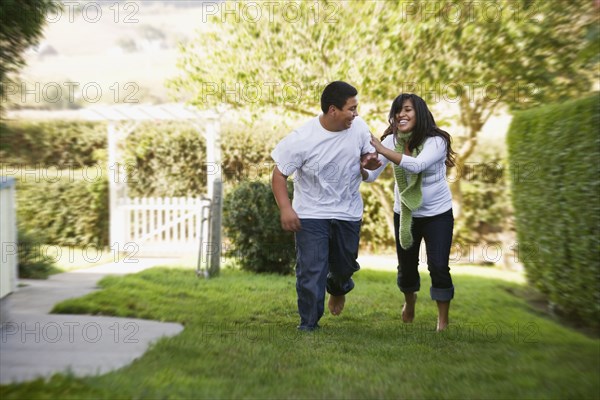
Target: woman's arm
<point x="434" y="151"/>
<point x="390" y="154"/>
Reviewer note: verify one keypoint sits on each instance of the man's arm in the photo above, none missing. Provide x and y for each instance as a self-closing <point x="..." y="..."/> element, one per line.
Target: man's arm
<point x="289" y="218"/>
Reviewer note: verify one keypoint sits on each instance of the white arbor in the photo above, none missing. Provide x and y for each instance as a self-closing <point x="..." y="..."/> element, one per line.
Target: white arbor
<point x="159" y="225"/>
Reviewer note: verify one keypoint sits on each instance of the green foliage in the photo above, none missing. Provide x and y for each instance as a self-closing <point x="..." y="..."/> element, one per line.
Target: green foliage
<point x="22" y="26"/>
<point x="486" y="200"/>
<point x="476" y="55"/>
<point x="251" y="221"/>
<point x="554" y="153"/>
<point x="522" y="54"/>
<point x="56" y="144"/>
<point x="279" y="61"/>
<point x="62" y="190"/>
<point x="473" y="58"/>
<point x="376" y="232"/>
<point x="168" y="159"/>
<point x="34" y="263"/>
<point x="246" y="150"/>
<point x="165" y="159"/>
<point x="67" y="211"/>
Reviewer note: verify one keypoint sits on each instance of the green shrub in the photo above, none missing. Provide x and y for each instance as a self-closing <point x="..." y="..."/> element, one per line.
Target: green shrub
<point x="376" y="232"/>
<point x="554" y="152"/>
<point x="59" y="144"/>
<point x="247" y="151"/>
<point x="169" y="158"/>
<point x="251" y="221"/>
<point x="165" y="159"/>
<point x="66" y="212"/>
<point x="34" y="263"/>
<point x="486" y="208"/>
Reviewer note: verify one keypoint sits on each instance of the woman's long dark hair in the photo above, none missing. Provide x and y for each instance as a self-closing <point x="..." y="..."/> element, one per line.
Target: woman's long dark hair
<point x="424" y="127"/>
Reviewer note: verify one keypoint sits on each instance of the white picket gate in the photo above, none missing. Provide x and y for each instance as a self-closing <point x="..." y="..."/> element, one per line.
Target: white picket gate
<point x="163" y="226"/>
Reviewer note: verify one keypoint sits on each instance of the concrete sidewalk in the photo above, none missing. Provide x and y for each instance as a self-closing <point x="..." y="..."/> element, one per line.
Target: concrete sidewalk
<point x="34" y="343"/>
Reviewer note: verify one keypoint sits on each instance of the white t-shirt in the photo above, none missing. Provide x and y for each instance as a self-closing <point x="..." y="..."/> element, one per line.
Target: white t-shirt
<point x="327" y="169"/>
<point x="432" y="163"/>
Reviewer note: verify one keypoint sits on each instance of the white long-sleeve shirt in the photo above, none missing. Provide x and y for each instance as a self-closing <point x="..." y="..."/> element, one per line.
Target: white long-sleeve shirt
<point x="431" y="162"/>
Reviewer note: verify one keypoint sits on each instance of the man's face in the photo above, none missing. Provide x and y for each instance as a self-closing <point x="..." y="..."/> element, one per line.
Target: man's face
<point x="343" y="117"/>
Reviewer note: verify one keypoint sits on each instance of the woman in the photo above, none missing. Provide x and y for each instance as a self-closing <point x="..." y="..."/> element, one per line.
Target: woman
<point x="420" y="153"/>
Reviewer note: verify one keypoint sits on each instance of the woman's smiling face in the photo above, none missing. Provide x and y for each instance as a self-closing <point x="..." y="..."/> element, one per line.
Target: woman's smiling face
<point x="406" y="118"/>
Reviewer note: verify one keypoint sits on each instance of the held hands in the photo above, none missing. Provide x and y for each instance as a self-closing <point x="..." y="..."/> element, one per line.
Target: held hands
<point x="370" y="161"/>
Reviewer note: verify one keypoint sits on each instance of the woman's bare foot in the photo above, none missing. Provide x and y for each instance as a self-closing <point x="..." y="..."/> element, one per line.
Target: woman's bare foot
<point x="443" y="320"/>
<point x="336" y="304"/>
<point x="408" y="309"/>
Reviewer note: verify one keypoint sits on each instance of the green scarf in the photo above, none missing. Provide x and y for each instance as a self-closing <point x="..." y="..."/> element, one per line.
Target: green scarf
<point x="411" y="196"/>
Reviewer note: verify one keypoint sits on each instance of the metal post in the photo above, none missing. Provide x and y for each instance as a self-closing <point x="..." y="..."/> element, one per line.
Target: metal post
<point x="216" y="194"/>
<point x="204" y="220"/>
<point x="215" y="229"/>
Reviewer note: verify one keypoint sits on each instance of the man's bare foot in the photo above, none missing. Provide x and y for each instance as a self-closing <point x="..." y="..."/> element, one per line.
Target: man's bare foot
<point x="336" y="304"/>
<point x="408" y="309"/>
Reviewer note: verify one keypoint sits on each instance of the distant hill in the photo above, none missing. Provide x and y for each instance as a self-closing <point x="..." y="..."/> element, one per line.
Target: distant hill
<point x="124" y="52"/>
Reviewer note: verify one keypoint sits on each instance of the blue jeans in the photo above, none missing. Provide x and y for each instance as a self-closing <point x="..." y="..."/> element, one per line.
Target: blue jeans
<point x="437" y="233"/>
<point x="326" y="252"/>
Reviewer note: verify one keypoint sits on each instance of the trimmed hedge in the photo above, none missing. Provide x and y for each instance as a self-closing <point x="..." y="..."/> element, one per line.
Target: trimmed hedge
<point x="66" y="212"/>
<point x="57" y="144"/>
<point x="165" y="159"/>
<point x="169" y="158"/>
<point x="554" y="153"/>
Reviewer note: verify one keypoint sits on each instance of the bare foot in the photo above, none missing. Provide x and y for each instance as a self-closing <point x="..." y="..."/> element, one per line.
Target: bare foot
<point x="443" y="308"/>
<point x="336" y="304"/>
<point x="408" y="309"/>
<point x="441" y="326"/>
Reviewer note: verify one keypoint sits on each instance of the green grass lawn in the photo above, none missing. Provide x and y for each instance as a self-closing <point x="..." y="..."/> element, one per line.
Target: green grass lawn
<point x="240" y="341"/>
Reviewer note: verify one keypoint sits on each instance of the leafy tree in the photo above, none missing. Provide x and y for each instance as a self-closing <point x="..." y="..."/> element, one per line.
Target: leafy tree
<point x="21" y="27"/>
<point x="283" y="55"/>
<point x="480" y="57"/>
<point x="485" y="56"/>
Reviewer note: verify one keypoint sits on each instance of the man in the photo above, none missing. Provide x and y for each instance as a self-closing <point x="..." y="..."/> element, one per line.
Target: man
<point x="325" y="154"/>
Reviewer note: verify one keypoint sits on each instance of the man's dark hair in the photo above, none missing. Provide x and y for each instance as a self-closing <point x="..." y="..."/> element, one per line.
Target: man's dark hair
<point x="336" y="94"/>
